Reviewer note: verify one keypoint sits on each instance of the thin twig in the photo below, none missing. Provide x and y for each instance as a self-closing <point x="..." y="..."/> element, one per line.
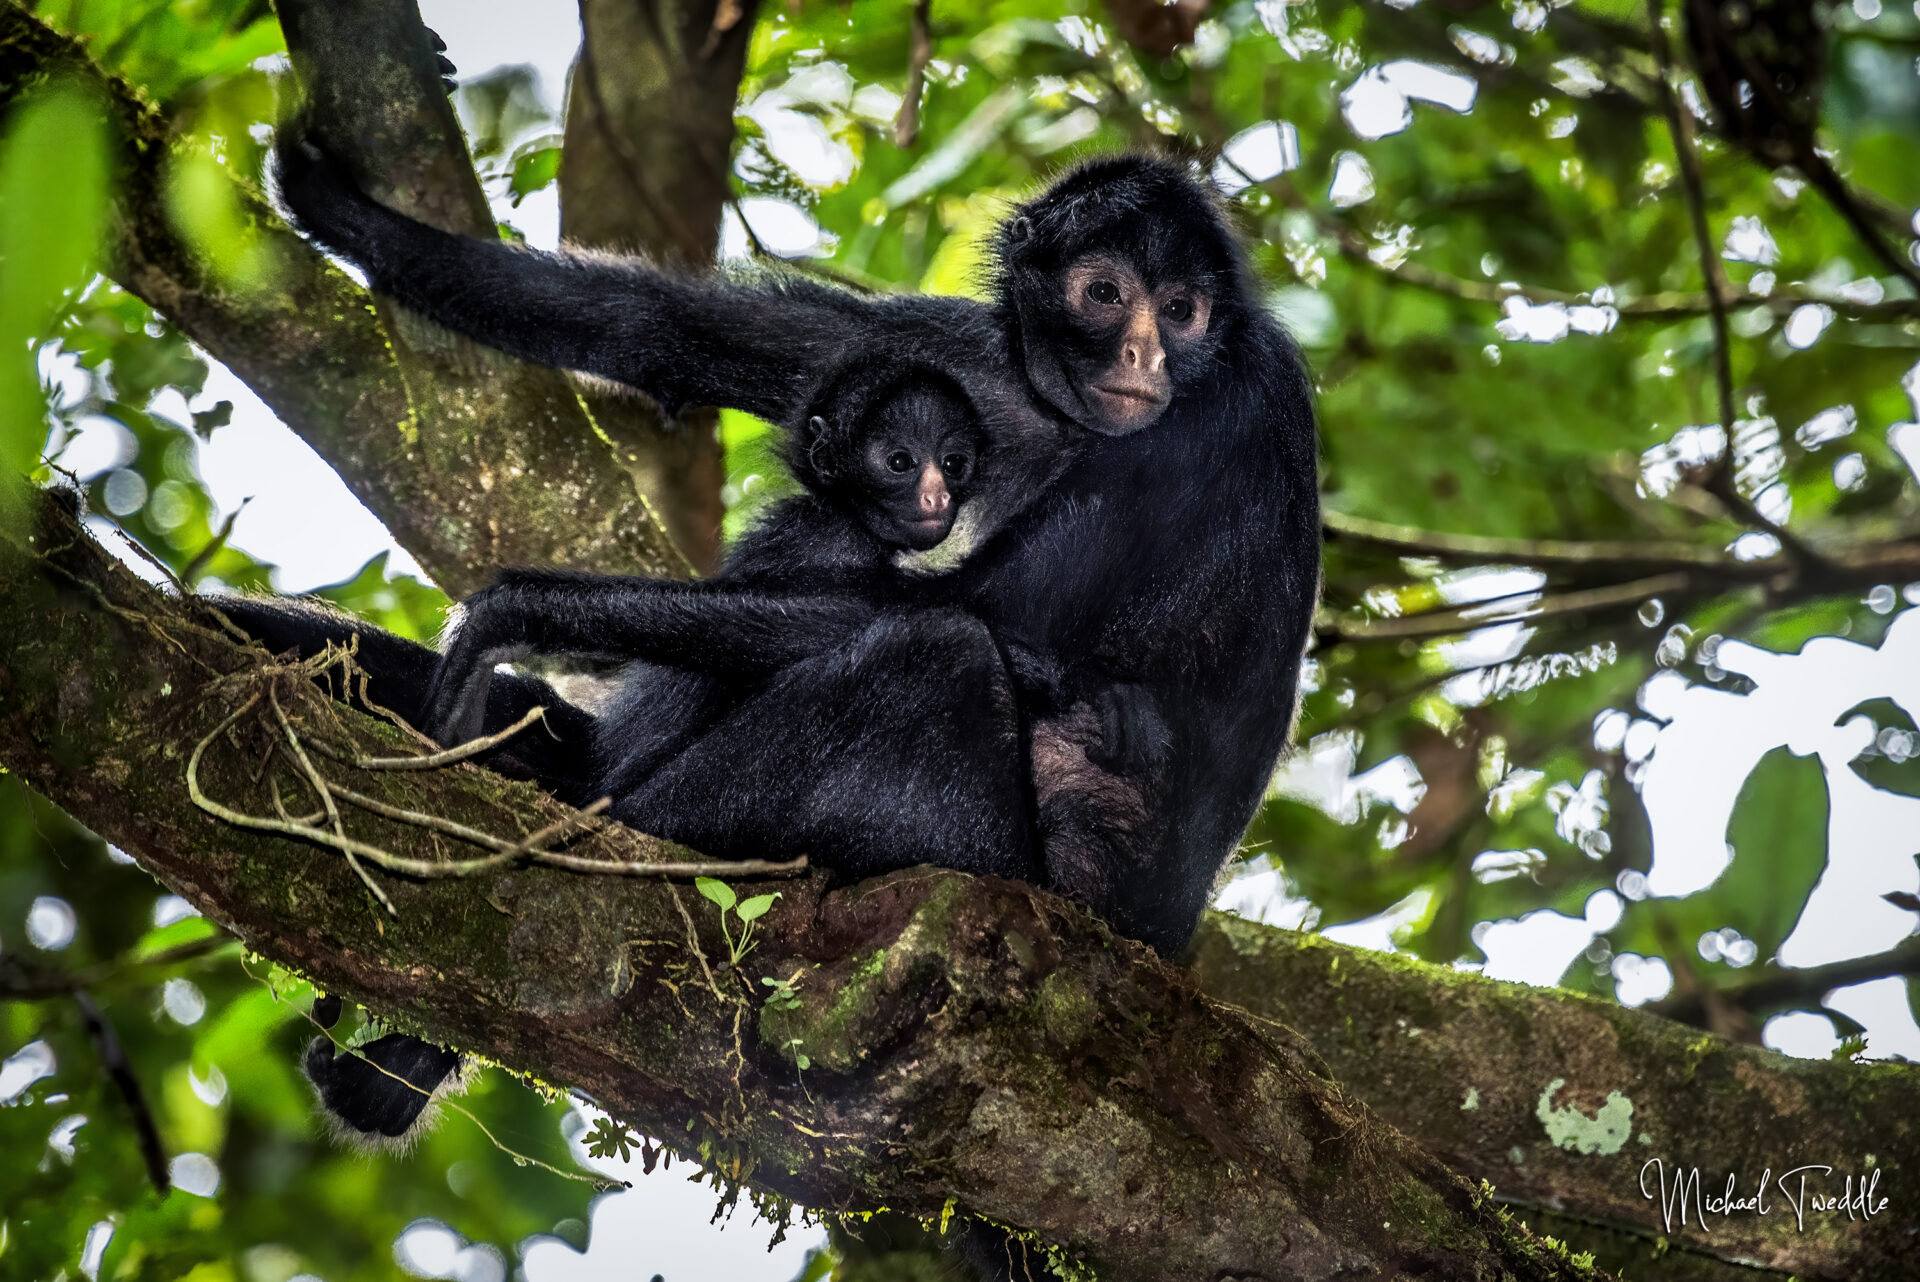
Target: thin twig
<point x="37" y="986"/>
<point x="113" y="1058"/>
<point x="326" y="801"/>
<point x="1667" y="305"/>
<point x="191" y="571"/>
<point x="1577" y="554"/>
<point x="1466" y="619"/>
<point x="687" y="868"/>
<point x="693" y="944"/>
<point x="1780" y="986"/>
<point x="1694" y="187"/>
<point x="531" y="847"/>
<point x="340" y="1048"/>
<point x="906" y="122"/>
<point x="859" y="282"/>
<point x="435" y="760"/>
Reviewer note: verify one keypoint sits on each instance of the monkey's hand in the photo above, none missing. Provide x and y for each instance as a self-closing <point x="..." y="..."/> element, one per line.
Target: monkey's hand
<point x="456" y="700"/>
<point x="1038" y="679"/>
<point x="1134" y="737"/>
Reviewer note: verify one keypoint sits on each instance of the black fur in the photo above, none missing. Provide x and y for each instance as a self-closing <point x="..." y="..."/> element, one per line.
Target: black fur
<point x="1107" y="678"/>
<point x="377" y="1093"/>
<point x="814" y="585"/>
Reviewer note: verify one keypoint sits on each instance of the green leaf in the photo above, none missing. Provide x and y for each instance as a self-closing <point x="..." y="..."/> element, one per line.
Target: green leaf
<point x="718" y="891"/>
<point x="610" y="1139"/>
<point x="533" y="170"/>
<point x="756" y="907"/>
<point x="53" y="205"/>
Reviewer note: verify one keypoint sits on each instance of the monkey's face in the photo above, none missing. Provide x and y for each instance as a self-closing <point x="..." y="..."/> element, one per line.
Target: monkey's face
<point x="1130" y="339"/>
<point x="916" y="465"/>
<point x="915" y="484"/>
<point x="1125" y="282"/>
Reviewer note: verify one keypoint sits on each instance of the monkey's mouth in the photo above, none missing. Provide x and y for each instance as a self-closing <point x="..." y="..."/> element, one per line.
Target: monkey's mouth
<point x="1132" y="405"/>
<point x="1144" y="392"/>
<point x="924" y="533"/>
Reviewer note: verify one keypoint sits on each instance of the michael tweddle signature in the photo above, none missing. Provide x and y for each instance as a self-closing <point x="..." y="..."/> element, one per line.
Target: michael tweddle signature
<point x="1805" y="1190"/>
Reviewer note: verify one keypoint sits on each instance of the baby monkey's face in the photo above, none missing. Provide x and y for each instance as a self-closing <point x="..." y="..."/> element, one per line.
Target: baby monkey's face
<point x="917" y="463"/>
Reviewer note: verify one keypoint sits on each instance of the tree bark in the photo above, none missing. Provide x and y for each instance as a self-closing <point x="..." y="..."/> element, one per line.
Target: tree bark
<point x="972" y="1045"/>
<point x="472" y="461"/>
<point x="1561" y="1100"/>
<point x="646" y="169"/>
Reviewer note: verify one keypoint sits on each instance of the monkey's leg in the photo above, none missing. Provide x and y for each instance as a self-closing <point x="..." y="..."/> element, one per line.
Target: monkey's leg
<point x="901" y="748"/>
<point x="707" y="626"/>
<point x="556" y="754"/>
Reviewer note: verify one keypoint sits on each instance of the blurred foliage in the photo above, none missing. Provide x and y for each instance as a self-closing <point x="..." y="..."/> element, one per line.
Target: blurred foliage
<point x="1394" y="166"/>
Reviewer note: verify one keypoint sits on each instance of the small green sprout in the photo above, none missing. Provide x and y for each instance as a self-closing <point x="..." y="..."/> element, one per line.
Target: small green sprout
<point x="747" y="910"/>
<point x="783" y="996"/>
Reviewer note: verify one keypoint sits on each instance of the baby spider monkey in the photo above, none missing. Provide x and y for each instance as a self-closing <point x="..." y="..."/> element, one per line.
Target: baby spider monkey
<point x="900" y="469"/>
<point x="888" y="469"/>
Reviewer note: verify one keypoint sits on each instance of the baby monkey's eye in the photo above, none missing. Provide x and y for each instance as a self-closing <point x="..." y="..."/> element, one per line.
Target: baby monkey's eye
<point x="1104" y="291"/>
<point x="1179" y="309"/>
<point x="900" y="461"/>
<point x="956" y="465"/>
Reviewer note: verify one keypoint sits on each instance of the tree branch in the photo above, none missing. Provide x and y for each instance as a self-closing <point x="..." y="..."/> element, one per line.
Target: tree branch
<point x="1627" y="573"/>
<point x="1667" y="305"/>
<point x="471" y="467"/>
<point x="1482" y="1073"/>
<point x="972" y="1044"/>
<point x="968" y="1039"/>
<point x="1776" y="987"/>
<point x="649" y="140"/>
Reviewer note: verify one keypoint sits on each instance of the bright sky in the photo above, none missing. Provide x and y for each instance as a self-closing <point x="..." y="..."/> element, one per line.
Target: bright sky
<point x="1698" y="743"/>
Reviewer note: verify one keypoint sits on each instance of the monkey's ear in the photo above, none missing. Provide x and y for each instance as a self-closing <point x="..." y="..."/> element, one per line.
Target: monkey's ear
<point x="817" y="429"/>
<point x="1019" y="228"/>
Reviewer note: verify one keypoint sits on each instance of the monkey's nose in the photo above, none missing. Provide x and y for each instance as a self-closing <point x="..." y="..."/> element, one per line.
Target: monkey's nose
<point x="1143" y="356"/>
<point x="934" y="498"/>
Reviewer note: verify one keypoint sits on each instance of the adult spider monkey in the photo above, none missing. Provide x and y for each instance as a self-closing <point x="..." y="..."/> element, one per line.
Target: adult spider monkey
<point x="1162" y="586"/>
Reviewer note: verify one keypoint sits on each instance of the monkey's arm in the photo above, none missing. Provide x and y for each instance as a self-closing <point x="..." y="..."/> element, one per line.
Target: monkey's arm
<point x="683" y="342"/>
<point x="708" y="626"/>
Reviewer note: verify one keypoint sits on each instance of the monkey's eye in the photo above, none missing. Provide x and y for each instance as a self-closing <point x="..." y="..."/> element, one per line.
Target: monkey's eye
<point x="956" y="465"/>
<point x="900" y="461"/>
<point x="1179" y="309"/>
<point x="1104" y="291"/>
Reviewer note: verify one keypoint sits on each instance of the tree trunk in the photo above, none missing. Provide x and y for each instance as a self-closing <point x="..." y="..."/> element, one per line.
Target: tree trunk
<point x="646" y="164"/>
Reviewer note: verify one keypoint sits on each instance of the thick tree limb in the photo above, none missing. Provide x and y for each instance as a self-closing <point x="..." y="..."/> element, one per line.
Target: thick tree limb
<point x="972" y="1044"/>
<point x="966" y="1039"/>
<point x="1483" y="1073"/>
<point x="471" y="460"/>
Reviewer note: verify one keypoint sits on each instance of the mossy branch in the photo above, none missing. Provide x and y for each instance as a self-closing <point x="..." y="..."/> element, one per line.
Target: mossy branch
<point x="972" y="1043"/>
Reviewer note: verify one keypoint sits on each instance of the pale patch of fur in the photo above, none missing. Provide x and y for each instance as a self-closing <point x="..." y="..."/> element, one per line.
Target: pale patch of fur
<point x="1087" y="814"/>
<point x="945" y="556"/>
